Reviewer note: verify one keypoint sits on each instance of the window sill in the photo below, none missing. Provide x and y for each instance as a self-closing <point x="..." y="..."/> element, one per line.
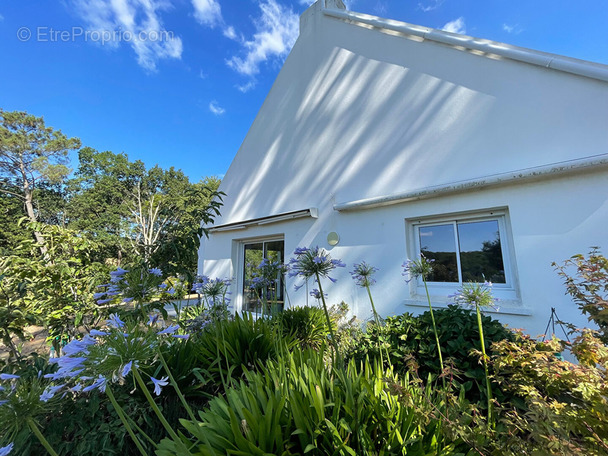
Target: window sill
<point x="505" y="307"/>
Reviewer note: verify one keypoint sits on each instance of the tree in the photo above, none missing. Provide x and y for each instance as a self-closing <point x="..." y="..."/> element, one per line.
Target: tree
<point x="99" y="197"/>
<point x="30" y="154"/>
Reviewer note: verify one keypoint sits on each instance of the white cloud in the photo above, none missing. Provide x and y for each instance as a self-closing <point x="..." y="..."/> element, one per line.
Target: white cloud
<point x="276" y="32"/>
<point x="515" y="28"/>
<point x="216" y="109"/>
<point x="202" y="74"/>
<point x="230" y="33"/>
<point x="430" y="5"/>
<point x="456" y="26"/>
<point x="136" y="22"/>
<point x="208" y="12"/>
<point x="246" y="87"/>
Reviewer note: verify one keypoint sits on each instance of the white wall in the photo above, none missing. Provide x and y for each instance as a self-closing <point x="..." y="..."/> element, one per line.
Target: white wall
<point x="358" y="113"/>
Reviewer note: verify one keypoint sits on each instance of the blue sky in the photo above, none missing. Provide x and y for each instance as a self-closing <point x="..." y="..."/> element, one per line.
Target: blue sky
<point x="187" y="96"/>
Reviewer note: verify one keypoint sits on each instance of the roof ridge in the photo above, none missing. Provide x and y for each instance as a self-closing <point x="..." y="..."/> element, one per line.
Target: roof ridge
<point x="557" y="62"/>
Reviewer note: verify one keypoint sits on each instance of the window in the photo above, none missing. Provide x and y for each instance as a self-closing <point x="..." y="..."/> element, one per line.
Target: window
<point x="470" y="248"/>
<point x="253" y="253"/>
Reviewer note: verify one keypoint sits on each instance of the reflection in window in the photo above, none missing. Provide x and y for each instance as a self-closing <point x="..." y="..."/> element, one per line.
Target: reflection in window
<point x="481" y="252"/>
<point x="253" y="255"/>
<point x="463" y="251"/>
<point x="438" y="243"/>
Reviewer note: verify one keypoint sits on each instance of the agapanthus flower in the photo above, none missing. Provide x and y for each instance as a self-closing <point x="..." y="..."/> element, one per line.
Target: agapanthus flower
<point x="417" y="268"/>
<point x="362" y="274"/>
<point x="127" y="369"/>
<point x="114" y="321"/>
<point x="77" y="346"/>
<point x="475" y="295"/>
<point x="155" y="271"/>
<point x="127" y="300"/>
<point x="169" y="330"/>
<point x="97" y="333"/>
<point x="8" y="376"/>
<point x="158" y="384"/>
<point x="50" y="392"/>
<point x="181" y="336"/>
<point x="99" y="383"/>
<point x="153" y="318"/>
<point x="317" y="294"/>
<point x="311" y="262"/>
<point x="4" y="451"/>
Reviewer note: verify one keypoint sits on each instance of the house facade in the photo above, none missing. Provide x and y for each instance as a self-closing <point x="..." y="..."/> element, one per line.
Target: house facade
<point x="380" y="140"/>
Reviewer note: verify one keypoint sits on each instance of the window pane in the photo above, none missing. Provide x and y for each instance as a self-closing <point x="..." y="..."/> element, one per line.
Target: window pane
<point x="481" y="252"/>
<point x="253" y="256"/>
<point x="275" y="251"/>
<point x="254" y="253"/>
<point x="437" y="243"/>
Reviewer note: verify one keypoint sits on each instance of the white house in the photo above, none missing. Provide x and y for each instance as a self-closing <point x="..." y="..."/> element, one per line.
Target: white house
<point x="380" y="139"/>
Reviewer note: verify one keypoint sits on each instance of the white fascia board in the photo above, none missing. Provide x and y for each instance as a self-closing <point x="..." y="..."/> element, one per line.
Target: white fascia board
<point x="554" y="61"/>
<point x="310" y="212"/>
<point x="522" y="175"/>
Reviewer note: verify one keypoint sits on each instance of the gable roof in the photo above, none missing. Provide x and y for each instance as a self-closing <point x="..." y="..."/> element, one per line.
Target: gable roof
<point x="361" y="110"/>
<point x="486" y="48"/>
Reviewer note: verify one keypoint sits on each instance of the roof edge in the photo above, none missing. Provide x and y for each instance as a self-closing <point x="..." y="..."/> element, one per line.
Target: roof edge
<point x="495" y="180"/>
<point x="310" y="212"/>
<point x="556" y="62"/>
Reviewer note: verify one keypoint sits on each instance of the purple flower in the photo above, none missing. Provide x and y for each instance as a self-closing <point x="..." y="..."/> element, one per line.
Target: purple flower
<point x="104" y="301"/>
<point x="97" y="333"/>
<point x="317" y="294"/>
<point x="152" y="319"/>
<point x="127" y="300"/>
<point x="300" y="250"/>
<point x="127" y="369"/>
<point x="49" y="392"/>
<point x="8" y="376"/>
<point x="119" y="272"/>
<point x="99" y="383"/>
<point x="115" y="322"/>
<point x="156" y="271"/>
<point x="98" y="295"/>
<point x="181" y="336"/>
<point x="4" y="451"/>
<point x="170" y="330"/>
<point x="171" y="291"/>
<point x="362" y="274"/>
<point x="159" y="383"/>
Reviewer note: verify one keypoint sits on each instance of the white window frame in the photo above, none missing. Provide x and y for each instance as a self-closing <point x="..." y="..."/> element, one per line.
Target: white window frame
<point x="507" y="291"/>
<point x="240" y="264"/>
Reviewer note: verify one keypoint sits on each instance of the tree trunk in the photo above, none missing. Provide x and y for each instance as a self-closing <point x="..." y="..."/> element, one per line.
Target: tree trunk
<point x="28" y="194"/>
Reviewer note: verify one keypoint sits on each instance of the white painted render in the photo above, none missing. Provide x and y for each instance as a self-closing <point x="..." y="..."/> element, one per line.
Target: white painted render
<point x="363" y="113"/>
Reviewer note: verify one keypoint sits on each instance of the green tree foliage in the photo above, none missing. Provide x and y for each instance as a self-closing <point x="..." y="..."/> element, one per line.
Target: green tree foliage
<point x="58" y="293"/>
<point x="31" y="154"/>
<point x="98" y="199"/>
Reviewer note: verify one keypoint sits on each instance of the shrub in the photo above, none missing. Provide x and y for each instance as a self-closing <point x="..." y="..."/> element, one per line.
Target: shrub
<point x="307" y="325"/>
<point x="588" y="286"/>
<point x="406" y="336"/>
<point x="297" y="405"/>
<point x="229" y="347"/>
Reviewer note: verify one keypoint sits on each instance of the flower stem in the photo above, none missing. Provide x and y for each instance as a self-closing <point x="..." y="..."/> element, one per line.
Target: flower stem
<point x="159" y="414"/>
<point x="428" y="297"/>
<point x="369" y="293"/>
<point x="329" y="325"/>
<point x="174" y="383"/>
<point x="125" y="422"/>
<point x="38" y="434"/>
<point x="485" y="365"/>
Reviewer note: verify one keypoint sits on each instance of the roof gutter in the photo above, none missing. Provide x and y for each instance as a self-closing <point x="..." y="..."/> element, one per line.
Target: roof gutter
<point x="556" y="62"/>
<point x="494" y="180"/>
<point x="310" y="212"/>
